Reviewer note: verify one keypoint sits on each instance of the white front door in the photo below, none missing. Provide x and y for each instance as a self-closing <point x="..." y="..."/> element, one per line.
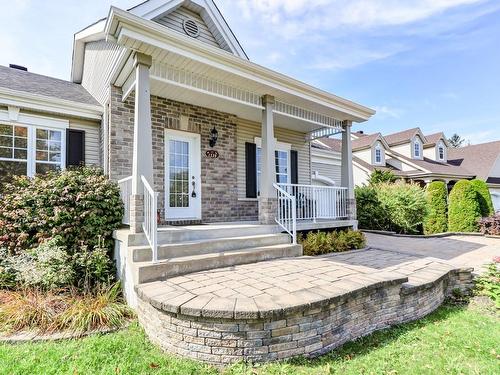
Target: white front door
<point x="182" y="175"/>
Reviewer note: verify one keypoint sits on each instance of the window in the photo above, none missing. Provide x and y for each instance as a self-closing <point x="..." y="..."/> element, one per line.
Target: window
<point x="416" y="148"/>
<point x="282" y="162"/>
<point x="440" y="151"/>
<point x="30" y="150"/>
<point x="13" y="151"/>
<point x="378" y="154"/>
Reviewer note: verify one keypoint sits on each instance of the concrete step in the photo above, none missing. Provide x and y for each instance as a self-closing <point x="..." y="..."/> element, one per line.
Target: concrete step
<point x="173" y="234"/>
<point x="206" y="246"/>
<point x="148" y="272"/>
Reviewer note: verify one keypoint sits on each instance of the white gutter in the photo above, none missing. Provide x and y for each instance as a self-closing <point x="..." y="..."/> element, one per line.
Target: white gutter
<point x="121" y="25"/>
<point x="42" y="103"/>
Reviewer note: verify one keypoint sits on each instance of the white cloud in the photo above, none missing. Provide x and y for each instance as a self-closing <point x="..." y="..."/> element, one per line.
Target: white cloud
<point x="480" y="137"/>
<point x="388" y="112"/>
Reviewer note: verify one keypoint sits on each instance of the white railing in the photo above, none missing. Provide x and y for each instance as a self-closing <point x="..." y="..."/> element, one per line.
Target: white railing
<point x="318" y="202"/>
<point x="150" y="223"/>
<point x="125" y="185"/>
<point x="286" y="217"/>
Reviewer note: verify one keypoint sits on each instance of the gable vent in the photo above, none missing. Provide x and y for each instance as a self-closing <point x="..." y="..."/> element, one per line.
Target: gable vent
<point x="191" y="28"/>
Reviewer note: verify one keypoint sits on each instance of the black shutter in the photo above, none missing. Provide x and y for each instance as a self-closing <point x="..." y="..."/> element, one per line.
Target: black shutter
<point x="294" y="165"/>
<point x="251" y="169"/>
<point x="75" y="147"/>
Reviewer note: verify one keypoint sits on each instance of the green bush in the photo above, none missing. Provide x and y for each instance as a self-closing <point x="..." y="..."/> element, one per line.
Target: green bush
<point x="484" y="196"/>
<point x="378" y="176"/>
<point x="318" y="243"/>
<point x="464" y="210"/>
<point x="405" y="206"/>
<point x="436" y="220"/>
<point x="370" y="213"/>
<point x="81" y="206"/>
<point x="488" y="284"/>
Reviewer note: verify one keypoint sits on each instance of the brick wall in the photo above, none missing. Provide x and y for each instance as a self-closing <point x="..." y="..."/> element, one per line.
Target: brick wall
<point x="218" y="176"/>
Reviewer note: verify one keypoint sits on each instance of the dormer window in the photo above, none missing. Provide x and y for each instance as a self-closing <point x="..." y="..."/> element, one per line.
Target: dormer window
<point x="441" y="151"/>
<point x="417" y="148"/>
<point x="378" y="153"/>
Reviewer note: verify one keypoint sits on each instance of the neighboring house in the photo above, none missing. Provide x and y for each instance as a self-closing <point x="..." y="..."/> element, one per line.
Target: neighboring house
<point x="484" y="160"/>
<point x="172" y="108"/>
<point x="412" y="156"/>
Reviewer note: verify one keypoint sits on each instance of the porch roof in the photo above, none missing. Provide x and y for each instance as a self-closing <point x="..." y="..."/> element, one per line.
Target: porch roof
<point x="188" y="70"/>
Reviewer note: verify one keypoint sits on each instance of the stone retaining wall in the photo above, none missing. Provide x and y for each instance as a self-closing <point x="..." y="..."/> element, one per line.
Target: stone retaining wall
<point x="309" y="329"/>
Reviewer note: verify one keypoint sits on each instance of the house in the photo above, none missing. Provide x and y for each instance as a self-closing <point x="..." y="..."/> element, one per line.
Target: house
<point x="165" y="99"/>
<point x="410" y="155"/>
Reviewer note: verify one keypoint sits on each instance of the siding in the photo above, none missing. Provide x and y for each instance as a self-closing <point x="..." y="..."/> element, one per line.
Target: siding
<point x="246" y="131"/>
<point x="332" y="171"/>
<point x="92" y="140"/>
<point x="99" y="62"/>
<point x="174" y="20"/>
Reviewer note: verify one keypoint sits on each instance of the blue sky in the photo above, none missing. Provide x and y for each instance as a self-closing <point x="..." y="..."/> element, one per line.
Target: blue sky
<point x="428" y="63"/>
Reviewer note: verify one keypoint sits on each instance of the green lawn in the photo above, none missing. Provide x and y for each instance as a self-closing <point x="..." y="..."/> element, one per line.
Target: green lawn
<point x="452" y="340"/>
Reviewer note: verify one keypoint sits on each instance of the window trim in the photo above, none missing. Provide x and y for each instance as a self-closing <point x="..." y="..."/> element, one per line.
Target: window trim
<point x="31" y="149"/>
<point x="417" y="142"/>
<point x="279" y="146"/>
<point x="378" y="147"/>
<point x="440" y="146"/>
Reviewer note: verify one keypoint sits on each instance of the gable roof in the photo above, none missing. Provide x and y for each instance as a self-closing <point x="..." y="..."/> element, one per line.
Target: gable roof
<point x="404" y="136"/>
<point x="37" y="84"/>
<point x="367" y="141"/>
<point x="208" y="11"/>
<point x="432" y="139"/>
<point x="479" y="158"/>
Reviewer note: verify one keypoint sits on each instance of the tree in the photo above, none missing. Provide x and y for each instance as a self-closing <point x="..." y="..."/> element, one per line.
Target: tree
<point x="436" y="220"/>
<point x="456" y="141"/>
<point x="484" y="197"/>
<point x="378" y="176"/>
<point x="464" y="209"/>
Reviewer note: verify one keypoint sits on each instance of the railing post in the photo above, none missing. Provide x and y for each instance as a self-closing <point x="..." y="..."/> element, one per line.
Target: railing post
<point x="294" y="221"/>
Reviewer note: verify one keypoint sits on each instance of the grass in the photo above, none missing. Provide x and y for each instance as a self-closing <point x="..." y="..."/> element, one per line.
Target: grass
<point x="452" y="340"/>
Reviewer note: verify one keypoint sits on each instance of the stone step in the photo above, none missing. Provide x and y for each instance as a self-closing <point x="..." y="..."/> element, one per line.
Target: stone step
<point x="148" y="272"/>
<point x="206" y="246"/>
<point x="173" y="234"/>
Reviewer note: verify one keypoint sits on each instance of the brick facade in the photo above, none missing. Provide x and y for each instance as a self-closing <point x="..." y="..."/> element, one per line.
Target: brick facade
<point x="218" y="176"/>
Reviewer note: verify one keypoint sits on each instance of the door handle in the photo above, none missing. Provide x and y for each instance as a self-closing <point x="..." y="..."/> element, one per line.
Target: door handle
<point x="193" y="194"/>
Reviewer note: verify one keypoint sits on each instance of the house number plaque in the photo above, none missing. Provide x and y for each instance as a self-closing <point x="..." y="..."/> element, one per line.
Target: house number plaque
<point x="212" y="154"/>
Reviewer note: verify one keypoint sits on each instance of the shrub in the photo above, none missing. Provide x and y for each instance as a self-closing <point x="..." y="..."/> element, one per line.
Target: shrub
<point x="79" y="205"/>
<point x="463" y="210"/>
<point x="436" y="220"/>
<point x="405" y="206"/>
<point x="318" y="243"/>
<point x="378" y="176"/>
<point x="490" y="225"/>
<point x="8" y="272"/>
<point x="47" y="267"/>
<point x="488" y="284"/>
<point x="484" y="197"/>
<point x="370" y="212"/>
<point x="93" y="267"/>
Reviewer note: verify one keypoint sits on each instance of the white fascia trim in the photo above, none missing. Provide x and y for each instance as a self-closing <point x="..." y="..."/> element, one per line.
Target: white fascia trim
<point x="48" y="104"/>
<point x="392" y="155"/>
<point x="35" y="120"/>
<point x="90" y="34"/>
<point x="122" y="25"/>
<point x="363" y="168"/>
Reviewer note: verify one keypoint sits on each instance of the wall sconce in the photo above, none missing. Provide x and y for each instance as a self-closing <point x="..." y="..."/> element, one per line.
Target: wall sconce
<point x="214" y="135"/>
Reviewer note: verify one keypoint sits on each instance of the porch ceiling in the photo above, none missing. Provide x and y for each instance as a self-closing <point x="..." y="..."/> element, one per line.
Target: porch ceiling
<point x="246" y="82"/>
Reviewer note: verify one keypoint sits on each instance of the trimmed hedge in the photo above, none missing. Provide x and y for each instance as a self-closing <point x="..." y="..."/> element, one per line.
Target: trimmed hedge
<point x="319" y="243"/>
<point x="404" y="205"/>
<point x="484" y="197"/>
<point x="464" y="209"/>
<point x="436" y="220"/>
<point x="371" y="214"/>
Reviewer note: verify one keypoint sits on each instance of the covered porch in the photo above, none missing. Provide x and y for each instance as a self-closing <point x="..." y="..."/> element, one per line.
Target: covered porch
<point x="160" y="64"/>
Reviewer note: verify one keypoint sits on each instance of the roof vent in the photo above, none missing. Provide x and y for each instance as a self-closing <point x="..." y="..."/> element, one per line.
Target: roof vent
<point x="191" y="27"/>
<point x="18" y="67"/>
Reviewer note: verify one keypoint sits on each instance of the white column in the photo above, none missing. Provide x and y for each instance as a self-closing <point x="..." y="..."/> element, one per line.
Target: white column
<point x="347" y="177"/>
<point x="268" y="172"/>
<point x="267" y="200"/>
<point x="142" y="158"/>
